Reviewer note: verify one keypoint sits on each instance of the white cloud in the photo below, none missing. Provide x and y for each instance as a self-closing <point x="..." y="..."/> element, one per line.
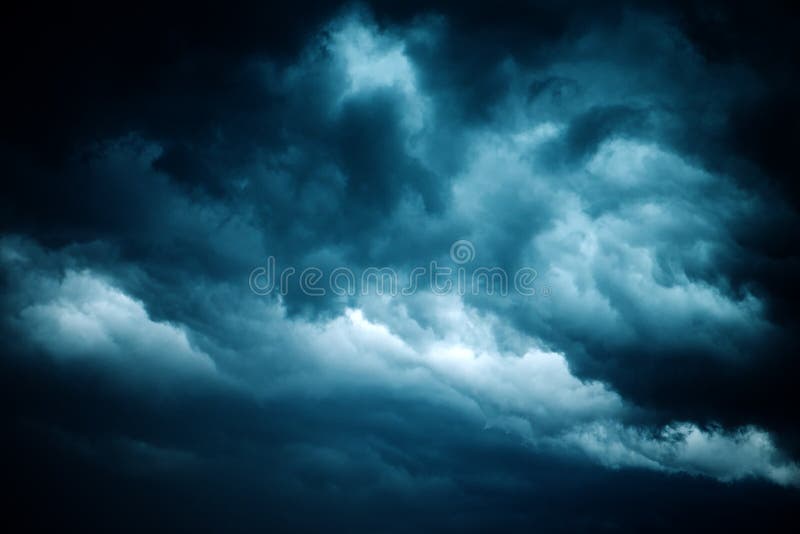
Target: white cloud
<point x="684" y="447"/>
<point x="81" y="316"/>
<point x="455" y="361"/>
<point x="373" y="60"/>
<point x="453" y="358"/>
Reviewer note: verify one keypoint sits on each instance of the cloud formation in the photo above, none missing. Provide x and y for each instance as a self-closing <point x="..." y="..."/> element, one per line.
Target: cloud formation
<point x="618" y="151"/>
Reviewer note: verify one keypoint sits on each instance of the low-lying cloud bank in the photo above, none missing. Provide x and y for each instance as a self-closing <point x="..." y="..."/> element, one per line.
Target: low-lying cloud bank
<point x="454" y="361"/>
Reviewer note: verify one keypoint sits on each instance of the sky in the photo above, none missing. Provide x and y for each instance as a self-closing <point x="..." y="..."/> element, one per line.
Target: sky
<point x="391" y="267"/>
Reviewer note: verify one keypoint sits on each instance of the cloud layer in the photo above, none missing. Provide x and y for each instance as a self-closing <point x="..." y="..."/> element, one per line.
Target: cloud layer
<point x="610" y="149"/>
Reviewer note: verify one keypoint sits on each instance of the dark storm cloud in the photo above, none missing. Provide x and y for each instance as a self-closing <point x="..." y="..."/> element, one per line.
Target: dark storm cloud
<point x="245" y="471"/>
<point x="666" y="100"/>
<point x="639" y="157"/>
<point x="208" y="454"/>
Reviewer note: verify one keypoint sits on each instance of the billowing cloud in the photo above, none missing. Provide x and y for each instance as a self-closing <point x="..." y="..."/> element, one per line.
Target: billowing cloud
<point x="455" y="363"/>
<point x="618" y="154"/>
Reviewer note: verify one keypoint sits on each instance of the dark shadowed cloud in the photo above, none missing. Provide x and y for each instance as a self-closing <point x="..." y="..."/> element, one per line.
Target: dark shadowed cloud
<point x="639" y="158"/>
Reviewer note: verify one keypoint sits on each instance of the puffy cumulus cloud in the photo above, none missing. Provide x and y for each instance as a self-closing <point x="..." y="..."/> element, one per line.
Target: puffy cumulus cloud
<point x="536" y="387"/>
<point x="532" y="395"/>
<point x="372" y="61"/>
<point x="87" y="318"/>
<point x="629" y="245"/>
<point x="78" y="316"/>
<point x="637" y="157"/>
<point x="454" y="362"/>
